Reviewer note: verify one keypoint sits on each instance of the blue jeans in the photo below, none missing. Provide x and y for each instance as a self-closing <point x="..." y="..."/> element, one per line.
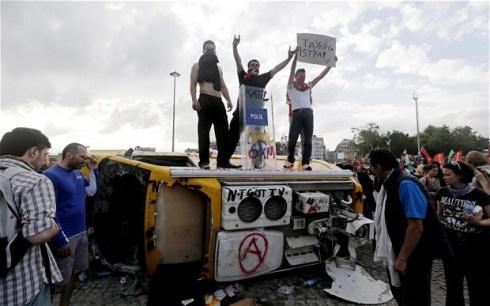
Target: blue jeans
<point x="302" y="121"/>
<point x="43" y="298"/>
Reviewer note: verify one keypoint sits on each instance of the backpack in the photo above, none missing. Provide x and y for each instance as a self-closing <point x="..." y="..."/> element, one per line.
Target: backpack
<point x="13" y="245"/>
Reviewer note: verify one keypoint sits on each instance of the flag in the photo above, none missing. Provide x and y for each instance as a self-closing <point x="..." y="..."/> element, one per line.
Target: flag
<point x="450" y="155"/>
<point x="439" y="157"/>
<point x="359" y="164"/>
<point x="458" y="156"/>
<point x="426" y="155"/>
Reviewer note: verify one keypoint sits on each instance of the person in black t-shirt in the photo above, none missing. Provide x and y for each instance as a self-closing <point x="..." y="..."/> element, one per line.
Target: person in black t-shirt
<point x="249" y="78"/>
<point x="465" y="214"/>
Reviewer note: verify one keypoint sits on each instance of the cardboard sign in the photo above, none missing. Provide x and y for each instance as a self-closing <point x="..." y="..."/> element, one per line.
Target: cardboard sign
<point x="316" y="49"/>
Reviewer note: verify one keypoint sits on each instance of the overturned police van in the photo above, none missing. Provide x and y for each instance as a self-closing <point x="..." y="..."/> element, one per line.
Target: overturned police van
<point x="161" y="209"/>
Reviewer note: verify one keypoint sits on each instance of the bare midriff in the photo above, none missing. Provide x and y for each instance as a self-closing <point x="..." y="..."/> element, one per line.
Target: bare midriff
<point x="206" y="88"/>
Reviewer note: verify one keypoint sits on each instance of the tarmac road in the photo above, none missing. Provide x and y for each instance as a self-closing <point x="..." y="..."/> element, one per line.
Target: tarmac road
<point x="106" y="291"/>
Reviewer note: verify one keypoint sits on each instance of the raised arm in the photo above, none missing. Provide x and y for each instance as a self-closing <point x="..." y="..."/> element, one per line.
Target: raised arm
<point x="282" y="64"/>
<point x="321" y="75"/>
<point x="238" y="60"/>
<point x="193" y="85"/>
<point x="293" y="68"/>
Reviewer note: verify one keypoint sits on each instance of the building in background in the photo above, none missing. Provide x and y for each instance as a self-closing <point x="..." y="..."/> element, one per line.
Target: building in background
<point x="318" y="148"/>
<point x="344" y="151"/>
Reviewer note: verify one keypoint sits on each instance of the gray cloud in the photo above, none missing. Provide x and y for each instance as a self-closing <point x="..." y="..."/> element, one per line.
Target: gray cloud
<point x="109" y="63"/>
<point x="72" y="52"/>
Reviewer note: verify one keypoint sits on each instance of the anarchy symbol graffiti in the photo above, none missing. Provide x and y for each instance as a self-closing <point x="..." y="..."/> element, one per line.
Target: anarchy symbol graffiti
<point x="252" y="252"/>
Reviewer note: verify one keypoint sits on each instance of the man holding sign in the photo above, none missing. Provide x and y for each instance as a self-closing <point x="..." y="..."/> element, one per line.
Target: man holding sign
<point x="249" y="78"/>
<point x="299" y="93"/>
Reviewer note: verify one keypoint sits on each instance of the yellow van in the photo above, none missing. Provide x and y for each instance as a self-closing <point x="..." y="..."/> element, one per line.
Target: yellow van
<point x="156" y="209"/>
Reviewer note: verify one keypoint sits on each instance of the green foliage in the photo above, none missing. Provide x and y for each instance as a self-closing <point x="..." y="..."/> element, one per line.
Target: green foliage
<point x="434" y="139"/>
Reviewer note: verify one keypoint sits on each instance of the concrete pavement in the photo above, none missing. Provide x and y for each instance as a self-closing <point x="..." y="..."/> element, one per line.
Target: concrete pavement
<point x="106" y="290"/>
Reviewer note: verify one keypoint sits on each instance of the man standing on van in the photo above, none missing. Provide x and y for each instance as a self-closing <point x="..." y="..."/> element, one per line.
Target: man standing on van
<point x="209" y="106"/>
<point x="71" y="188"/>
<point x="25" y="151"/>
<point x="299" y="93"/>
<point x="249" y="78"/>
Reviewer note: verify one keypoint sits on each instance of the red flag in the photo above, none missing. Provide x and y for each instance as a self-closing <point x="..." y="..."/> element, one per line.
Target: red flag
<point x="359" y="164"/>
<point x="439" y="157"/>
<point x="458" y="156"/>
<point x="426" y="155"/>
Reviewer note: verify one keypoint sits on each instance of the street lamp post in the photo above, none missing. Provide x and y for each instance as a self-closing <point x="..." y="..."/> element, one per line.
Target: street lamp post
<point x="175" y="75"/>
<point x="416" y="99"/>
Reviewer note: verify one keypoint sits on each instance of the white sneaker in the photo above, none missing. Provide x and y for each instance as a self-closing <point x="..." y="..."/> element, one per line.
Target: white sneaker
<point x="306" y="167"/>
<point x="288" y="165"/>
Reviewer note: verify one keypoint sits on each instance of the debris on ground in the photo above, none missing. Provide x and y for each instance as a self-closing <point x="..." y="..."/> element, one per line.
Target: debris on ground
<point x="357" y="285"/>
<point x="286" y="290"/>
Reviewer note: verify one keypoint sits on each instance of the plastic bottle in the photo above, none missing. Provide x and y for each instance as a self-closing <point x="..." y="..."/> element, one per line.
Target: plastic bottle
<point x="311" y="282"/>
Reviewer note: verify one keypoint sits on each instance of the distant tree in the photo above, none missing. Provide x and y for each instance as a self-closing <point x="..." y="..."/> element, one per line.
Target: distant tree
<point x="442" y="139"/>
<point x="436" y="139"/>
<point x="464" y="138"/>
<point x="399" y="142"/>
<point x="370" y="138"/>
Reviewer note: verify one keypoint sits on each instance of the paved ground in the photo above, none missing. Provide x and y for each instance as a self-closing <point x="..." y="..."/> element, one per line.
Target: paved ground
<point x="108" y="291"/>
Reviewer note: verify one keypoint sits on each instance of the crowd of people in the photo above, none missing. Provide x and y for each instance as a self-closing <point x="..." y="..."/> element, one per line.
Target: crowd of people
<point x="435" y="212"/>
<point x="47" y="242"/>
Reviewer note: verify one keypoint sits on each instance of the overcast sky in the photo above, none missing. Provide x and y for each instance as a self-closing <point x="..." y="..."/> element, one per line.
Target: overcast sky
<point x="98" y="72"/>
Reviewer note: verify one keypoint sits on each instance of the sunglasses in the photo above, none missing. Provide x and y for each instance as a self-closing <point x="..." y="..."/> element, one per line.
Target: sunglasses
<point x="455" y="163"/>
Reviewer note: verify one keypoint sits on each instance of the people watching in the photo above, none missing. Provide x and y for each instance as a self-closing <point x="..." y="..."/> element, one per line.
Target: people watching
<point x="71" y="188"/>
<point x="419" y="171"/>
<point x="25" y="151"/>
<point x="440" y="176"/>
<point x="430" y="180"/>
<point x="464" y="213"/>
<point x="408" y="233"/>
<point x="481" y="170"/>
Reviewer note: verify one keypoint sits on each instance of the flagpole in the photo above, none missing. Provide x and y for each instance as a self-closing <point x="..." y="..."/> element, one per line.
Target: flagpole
<point x="416" y="99"/>
<point x="273" y="126"/>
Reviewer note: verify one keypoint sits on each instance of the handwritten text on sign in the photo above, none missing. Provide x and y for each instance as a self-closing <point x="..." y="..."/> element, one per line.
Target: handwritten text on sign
<point x="316" y="49"/>
<point x="240" y="193"/>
